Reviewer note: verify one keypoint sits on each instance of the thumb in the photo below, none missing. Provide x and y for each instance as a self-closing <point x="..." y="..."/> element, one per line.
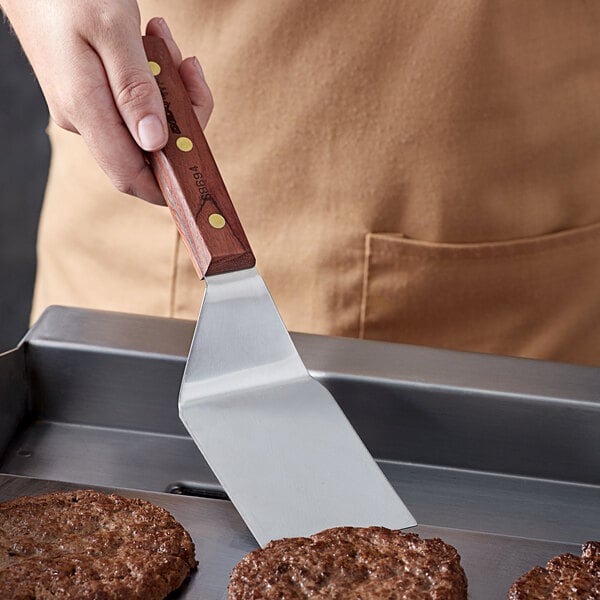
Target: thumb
<point x="135" y="92"/>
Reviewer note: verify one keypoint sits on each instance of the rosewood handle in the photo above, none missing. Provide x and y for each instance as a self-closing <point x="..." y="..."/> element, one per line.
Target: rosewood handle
<point x="190" y="180"/>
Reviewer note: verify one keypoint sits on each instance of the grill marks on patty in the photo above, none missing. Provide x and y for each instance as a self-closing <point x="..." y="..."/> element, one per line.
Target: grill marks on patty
<point x="351" y="562"/>
<point x="86" y="544"/>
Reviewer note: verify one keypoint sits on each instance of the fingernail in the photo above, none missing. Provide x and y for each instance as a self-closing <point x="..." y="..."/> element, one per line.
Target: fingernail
<point x="151" y="133"/>
<point x="165" y="28"/>
<point x="198" y="67"/>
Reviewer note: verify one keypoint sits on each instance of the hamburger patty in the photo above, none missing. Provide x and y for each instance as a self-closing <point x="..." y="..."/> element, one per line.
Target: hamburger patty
<point x="351" y="562"/>
<point x="565" y="577"/>
<point x="86" y="544"/>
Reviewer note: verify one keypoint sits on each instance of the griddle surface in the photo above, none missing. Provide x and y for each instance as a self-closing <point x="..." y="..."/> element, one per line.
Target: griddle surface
<point x="497" y="456"/>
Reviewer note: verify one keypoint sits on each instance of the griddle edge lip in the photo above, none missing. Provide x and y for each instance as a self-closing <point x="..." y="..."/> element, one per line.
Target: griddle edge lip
<point x="329" y="357"/>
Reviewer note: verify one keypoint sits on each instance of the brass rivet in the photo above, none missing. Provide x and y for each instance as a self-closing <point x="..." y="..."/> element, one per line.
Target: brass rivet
<point x="216" y="220"/>
<point x="154" y="67"/>
<point x="184" y="144"/>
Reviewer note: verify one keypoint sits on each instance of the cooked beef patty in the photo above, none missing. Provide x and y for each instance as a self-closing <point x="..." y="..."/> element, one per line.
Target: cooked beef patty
<point x="566" y="577"/>
<point x="85" y="544"/>
<point x="351" y="562"/>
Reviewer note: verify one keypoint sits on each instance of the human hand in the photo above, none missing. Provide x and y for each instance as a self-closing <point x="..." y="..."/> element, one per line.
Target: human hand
<point x="89" y="59"/>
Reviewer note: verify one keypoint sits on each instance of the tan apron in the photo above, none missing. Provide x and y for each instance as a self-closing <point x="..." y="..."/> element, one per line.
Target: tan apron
<point x="423" y="172"/>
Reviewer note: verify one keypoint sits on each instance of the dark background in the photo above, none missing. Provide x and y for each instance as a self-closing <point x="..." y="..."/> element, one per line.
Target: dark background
<point x="24" y="158"/>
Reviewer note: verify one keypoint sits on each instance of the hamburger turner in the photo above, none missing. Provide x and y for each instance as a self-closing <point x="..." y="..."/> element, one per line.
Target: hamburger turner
<point x="275" y="438"/>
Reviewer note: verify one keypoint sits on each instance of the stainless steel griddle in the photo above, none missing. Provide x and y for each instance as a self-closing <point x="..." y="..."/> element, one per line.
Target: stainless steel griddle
<point x="499" y="457"/>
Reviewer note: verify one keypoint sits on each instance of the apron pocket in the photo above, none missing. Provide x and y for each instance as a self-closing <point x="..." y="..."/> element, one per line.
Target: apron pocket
<point x="537" y="297"/>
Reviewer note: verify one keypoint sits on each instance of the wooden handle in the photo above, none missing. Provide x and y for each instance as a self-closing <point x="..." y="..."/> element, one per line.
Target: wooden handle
<point x="190" y="180"/>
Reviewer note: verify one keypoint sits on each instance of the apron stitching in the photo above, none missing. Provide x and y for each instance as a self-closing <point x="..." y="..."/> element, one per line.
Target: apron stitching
<point x="410" y="249"/>
<point x="365" y="279"/>
<point x="174" y="273"/>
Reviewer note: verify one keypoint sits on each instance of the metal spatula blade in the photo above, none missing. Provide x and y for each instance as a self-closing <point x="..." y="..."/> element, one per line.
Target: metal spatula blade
<point x="275" y="438"/>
